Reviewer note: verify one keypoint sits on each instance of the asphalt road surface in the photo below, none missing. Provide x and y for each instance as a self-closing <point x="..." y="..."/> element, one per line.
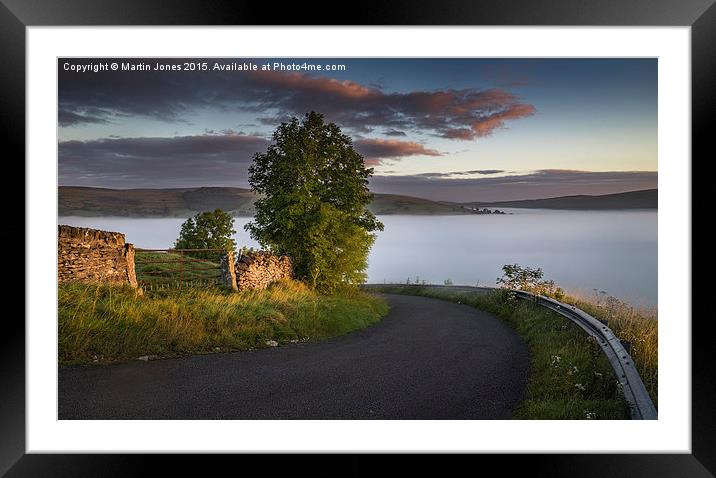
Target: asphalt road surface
<point x="427" y="359"/>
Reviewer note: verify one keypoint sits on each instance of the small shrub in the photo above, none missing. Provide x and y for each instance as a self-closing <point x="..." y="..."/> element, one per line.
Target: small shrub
<point x="530" y="280"/>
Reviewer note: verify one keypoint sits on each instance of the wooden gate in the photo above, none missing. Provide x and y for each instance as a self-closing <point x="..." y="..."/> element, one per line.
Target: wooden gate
<point x="177" y="268"/>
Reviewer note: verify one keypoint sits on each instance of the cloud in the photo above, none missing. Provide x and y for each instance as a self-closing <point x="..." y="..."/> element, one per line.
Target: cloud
<point x="460" y="114"/>
<point x="483" y="172"/>
<point x="179" y="161"/>
<point x="453" y="114"/>
<point x="530" y="185"/>
<point x="68" y="118"/>
<point x="211" y="158"/>
<point x="375" y="150"/>
<point x="223" y="160"/>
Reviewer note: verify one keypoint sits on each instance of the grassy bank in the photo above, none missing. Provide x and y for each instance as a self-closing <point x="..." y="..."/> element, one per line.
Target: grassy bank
<point x="569" y="378"/>
<point x="104" y="324"/>
<point x="639" y="327"/>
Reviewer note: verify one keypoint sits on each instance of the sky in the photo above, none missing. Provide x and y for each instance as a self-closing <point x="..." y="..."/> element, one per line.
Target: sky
<point x="451" y="129"/>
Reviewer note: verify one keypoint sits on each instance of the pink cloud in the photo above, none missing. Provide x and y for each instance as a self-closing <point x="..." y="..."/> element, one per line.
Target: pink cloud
<point x="375" y="150"/>
<point x="485" y="126"/>
<point x="463" y="114"/>
<point x="322" y="85"/>
<point x="458" y="114"/>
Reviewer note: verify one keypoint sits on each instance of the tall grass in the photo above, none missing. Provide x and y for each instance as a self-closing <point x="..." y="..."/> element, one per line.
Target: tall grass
<point x="637" y="326"/>
<point x="569" y="378"/>
<point x="102" y="323"/>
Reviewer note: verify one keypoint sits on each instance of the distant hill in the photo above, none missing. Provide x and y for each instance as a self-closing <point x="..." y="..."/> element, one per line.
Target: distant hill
<point x="396" y="204"/>
<point x="185" y="202"/>
<point x="644" y="199"/>
<point x="85" y="201"/>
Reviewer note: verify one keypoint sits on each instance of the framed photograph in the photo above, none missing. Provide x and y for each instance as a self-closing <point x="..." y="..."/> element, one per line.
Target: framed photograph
<point x="374" y="235"/>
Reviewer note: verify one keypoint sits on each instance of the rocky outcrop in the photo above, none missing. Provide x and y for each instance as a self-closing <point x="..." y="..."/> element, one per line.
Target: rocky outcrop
<point x="93" y="255"/>
<point x="256" y="270"/>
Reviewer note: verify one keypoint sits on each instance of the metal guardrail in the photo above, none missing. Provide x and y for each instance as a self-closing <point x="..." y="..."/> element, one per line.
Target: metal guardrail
<point x="635" y="393"/>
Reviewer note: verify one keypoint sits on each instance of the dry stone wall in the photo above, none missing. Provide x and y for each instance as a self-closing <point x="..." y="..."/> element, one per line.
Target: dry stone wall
<point x="256" y="270"/>
<point x="92" y="255"/>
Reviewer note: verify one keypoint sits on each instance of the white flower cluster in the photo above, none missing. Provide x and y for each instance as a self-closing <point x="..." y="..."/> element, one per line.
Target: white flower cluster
<point x="555" y="360"/>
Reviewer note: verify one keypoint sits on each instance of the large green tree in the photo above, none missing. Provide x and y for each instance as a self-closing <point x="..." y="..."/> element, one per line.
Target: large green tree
<point x="207" y="230"/>
<point x="313" y="193"/>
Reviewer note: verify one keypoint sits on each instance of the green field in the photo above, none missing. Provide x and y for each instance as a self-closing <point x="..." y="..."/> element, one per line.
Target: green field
<point x="161" y="270"/>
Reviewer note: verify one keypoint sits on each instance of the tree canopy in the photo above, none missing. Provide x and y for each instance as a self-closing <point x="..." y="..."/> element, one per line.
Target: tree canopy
<point x="207" y="230"/>
<point x="313" y="194"/>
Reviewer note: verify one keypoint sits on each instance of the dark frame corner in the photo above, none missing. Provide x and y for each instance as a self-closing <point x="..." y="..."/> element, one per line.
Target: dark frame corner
<point x="16" y="15"/>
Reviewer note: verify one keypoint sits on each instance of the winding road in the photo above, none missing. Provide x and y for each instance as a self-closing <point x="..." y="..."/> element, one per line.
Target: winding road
<point x="427" y="359"/>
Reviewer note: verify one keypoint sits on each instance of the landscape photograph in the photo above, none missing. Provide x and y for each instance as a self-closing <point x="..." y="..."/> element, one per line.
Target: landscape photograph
<point x="357" y="238"/>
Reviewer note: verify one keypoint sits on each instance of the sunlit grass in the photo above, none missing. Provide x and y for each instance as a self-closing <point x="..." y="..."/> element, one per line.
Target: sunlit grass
<point x="101" y="323"/>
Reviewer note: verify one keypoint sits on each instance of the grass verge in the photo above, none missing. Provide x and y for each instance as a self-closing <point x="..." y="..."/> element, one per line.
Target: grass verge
<point x="639" y="327"/>
<point x="569" y="379"/>
<point x="102" y="324"/>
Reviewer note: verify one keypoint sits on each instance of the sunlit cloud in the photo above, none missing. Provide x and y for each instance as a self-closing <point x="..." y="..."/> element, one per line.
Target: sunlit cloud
<point x="376" y="150"/>
<point x="461" y="114"/>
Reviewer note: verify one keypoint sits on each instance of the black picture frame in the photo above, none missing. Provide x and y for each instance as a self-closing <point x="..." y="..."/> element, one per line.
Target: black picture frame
<point x="16" y="15"/>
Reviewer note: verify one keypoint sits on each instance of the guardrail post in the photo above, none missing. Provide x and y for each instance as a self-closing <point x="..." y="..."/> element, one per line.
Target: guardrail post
<point x="228" y="273"/>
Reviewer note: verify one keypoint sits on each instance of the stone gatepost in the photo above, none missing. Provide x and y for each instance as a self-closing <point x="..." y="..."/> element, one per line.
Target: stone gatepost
<point x="228" y="273"/>
<point x="129" y="255"/>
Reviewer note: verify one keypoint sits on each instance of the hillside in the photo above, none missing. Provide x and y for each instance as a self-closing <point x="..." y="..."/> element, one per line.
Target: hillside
<point x="645" y="199"/>
<point x="396" y="204"/>
<point x="85" y="201"/>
